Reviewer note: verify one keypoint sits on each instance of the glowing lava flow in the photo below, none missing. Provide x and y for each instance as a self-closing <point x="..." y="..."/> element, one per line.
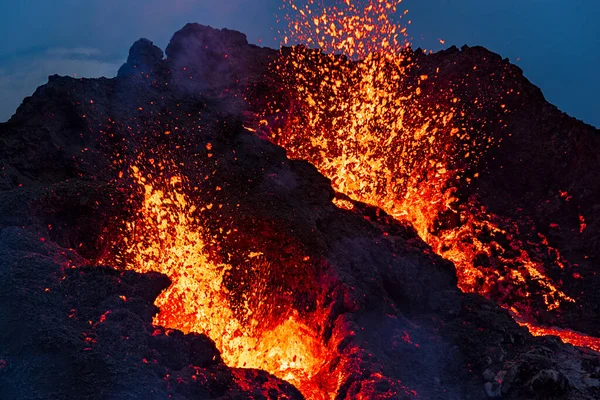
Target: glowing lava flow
<point x="566" y="335"/>
<point x="362" y="124"/>
<point x="166" y="237"/>
<point x="359" y="118"/>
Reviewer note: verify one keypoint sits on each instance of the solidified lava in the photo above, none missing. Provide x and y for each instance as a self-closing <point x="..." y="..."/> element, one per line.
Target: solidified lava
<point x="333" y="273"/>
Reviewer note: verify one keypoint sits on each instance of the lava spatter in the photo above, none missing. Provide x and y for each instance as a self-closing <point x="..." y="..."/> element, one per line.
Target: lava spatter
<point x="355" y="112"/>
<point x="387" y="137"/>
<point x="166" y="235"/>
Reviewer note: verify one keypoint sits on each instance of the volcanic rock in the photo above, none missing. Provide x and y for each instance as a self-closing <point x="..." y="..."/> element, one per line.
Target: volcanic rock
<point x="144" y="58"/>
<point x="86" y="332"/>
<point x="389" y="307"/>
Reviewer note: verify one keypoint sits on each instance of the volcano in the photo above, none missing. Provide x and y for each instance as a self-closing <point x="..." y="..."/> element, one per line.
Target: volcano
<point x="236" y="222"/>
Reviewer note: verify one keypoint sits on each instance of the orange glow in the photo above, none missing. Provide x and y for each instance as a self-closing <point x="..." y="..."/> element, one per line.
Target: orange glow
<point x="565" y="335"/>
<point x="357" y="116"/>
<point x="166" y="236"/>
<point x="363" y="124"/>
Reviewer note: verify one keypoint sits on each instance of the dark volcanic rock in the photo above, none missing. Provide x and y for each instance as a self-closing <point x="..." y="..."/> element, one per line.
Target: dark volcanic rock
<point x="86" y="332"/>
<point x="144" y="58"/>
<point x="401" y="325"/>
<point x="221" y="61"/>
<point x="541" y="175"/>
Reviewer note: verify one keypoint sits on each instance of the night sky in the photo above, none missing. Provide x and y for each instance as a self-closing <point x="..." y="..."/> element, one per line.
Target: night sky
<point x="556" y="43"/>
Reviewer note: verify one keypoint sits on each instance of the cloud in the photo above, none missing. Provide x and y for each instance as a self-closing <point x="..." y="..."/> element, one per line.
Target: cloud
<point x="74" y="52"/>
<point x="20" y="77"/>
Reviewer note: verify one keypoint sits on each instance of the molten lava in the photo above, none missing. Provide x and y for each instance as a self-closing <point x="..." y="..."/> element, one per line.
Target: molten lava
<point x="166" y="236"/>
<point x="566" y="335"/>
<point x="362" y="120"/>
<point x="355" y="113"/>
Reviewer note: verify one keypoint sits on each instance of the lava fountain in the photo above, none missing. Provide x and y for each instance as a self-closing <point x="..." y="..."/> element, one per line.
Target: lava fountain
<point x="259" y="330"/>
<point x="354" y="111"/>
<point x="387" y="137"/>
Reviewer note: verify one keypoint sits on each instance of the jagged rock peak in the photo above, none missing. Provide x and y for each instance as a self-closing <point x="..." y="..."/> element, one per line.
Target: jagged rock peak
<point x="194" y="36"/>
<point x="143" y="56"/>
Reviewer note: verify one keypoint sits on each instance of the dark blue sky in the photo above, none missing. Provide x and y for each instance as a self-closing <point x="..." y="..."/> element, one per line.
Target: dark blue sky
<point x="556" y="43"/>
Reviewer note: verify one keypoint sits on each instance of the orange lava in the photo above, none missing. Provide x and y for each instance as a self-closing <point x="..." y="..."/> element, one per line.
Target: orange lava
<point x="362" y="123"/>
<point x="565" y="335"/>
<point x="166" y="236"/>
<point x="358" y="117"/>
